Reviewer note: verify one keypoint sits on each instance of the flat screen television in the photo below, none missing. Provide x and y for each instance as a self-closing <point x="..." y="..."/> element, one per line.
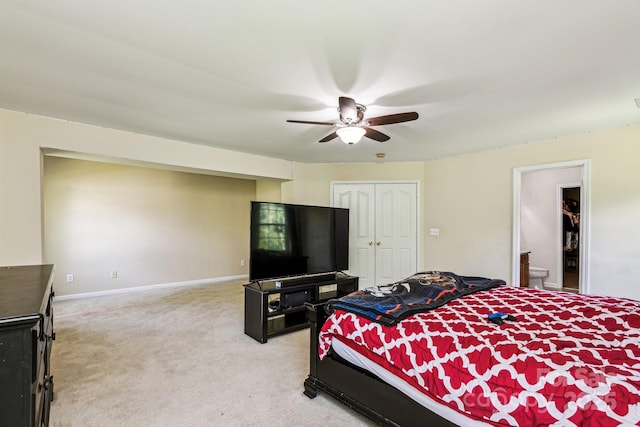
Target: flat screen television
<point x="295" y="240"/>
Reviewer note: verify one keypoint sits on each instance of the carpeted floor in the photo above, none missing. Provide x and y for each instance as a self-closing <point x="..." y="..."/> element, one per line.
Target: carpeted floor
<point x="179" y="357"/>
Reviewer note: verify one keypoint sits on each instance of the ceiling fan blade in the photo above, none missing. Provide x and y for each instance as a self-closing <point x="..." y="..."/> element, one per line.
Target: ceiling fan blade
<point x="311" y="123"/>
<point x="329" y="137"/>
<point x="392" y="118"/>
<point x="348" y="110"/>
<point x="375" y="135"/>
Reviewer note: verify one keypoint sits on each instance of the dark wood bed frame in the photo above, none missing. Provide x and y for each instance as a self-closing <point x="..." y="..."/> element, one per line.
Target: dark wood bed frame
<point x="358" y="389"/>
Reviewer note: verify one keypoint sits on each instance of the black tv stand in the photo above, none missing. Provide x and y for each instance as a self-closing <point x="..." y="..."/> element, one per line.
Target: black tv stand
<point x="274" y="307"/>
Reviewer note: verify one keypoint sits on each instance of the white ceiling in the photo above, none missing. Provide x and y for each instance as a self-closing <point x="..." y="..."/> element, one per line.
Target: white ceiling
<point x="482" y="74"/>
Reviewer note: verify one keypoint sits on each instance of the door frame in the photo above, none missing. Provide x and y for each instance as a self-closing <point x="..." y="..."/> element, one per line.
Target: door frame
<point x="585" y="214"/>
<point x="419" y="210"/>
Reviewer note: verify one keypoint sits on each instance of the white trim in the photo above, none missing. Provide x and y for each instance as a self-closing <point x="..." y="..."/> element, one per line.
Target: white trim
<point x="552" y="285"/>
<point x="515" y="268"/>
<point x="585" y="230"/>
<point x="585" y="214"/>
<point x="150" y="287"/>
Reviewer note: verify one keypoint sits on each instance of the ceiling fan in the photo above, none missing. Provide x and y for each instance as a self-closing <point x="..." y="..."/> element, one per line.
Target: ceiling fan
<point x="353" y="126"/>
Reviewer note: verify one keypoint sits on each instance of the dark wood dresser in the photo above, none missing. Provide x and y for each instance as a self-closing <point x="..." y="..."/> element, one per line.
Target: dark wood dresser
<point x="26" y="336"/>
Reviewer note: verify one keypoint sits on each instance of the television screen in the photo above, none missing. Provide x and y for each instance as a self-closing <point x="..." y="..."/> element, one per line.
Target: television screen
<point x="294" y="240"/>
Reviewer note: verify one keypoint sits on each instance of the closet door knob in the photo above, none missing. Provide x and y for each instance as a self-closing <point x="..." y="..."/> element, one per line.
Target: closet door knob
<point x="378" y="243"/>
<point x="370" y="243"/>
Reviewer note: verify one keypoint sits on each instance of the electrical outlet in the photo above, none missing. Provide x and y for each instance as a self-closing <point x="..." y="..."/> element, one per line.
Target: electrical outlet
<point x="69" y="278"/>
<point x="434" y="232"/>
<point x="242" y="263"/>
<point x="114" y="274"/>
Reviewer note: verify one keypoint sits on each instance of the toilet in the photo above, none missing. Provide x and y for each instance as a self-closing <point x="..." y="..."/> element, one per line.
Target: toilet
<point x="537" y="276"/>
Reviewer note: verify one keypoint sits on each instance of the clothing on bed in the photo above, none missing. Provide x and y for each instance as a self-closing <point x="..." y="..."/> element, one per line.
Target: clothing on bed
<point x="389" y="304"/>
<point x="568" y="360"/>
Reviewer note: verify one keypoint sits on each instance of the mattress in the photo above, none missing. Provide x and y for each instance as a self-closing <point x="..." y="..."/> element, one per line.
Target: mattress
<point x="566" y="359"/>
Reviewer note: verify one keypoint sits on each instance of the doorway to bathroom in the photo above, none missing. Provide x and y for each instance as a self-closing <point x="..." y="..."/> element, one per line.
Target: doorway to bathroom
<point x="538" y="223"/>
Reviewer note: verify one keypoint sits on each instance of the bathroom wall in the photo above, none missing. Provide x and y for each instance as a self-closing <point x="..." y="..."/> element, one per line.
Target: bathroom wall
<point x="539" y="216"/>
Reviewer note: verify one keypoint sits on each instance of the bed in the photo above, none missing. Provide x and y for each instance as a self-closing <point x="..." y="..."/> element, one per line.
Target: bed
<point x="481" y="355"/>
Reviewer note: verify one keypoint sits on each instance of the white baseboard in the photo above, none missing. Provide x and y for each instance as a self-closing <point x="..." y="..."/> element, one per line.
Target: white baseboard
<point x="150" y="287"/>
<point x="552" y="285"/>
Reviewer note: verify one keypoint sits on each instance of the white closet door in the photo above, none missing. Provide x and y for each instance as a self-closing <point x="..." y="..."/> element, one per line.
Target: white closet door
<point x="396" y="232"/>
<point x="382" y="230"/>
<point x="360" y="200"/>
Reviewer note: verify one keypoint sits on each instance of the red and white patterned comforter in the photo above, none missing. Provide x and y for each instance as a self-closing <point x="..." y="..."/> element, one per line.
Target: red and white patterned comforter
<point x="568" y="359"/>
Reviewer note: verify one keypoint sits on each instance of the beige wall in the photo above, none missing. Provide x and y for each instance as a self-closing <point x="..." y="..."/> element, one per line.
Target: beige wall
<point x="20" y="207"/>
<point x="469" y="200"/>
<point x="268" y="191"/>
<point x="151" y="226"/>
<point x="468" y="197"/>
<point x="311" y="182"/>
<point x="24" y="136"/>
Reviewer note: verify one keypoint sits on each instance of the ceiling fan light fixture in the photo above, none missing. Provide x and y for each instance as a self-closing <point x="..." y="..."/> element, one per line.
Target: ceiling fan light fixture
<point x="352" y="125"/>
<point x="351" y="134"/>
